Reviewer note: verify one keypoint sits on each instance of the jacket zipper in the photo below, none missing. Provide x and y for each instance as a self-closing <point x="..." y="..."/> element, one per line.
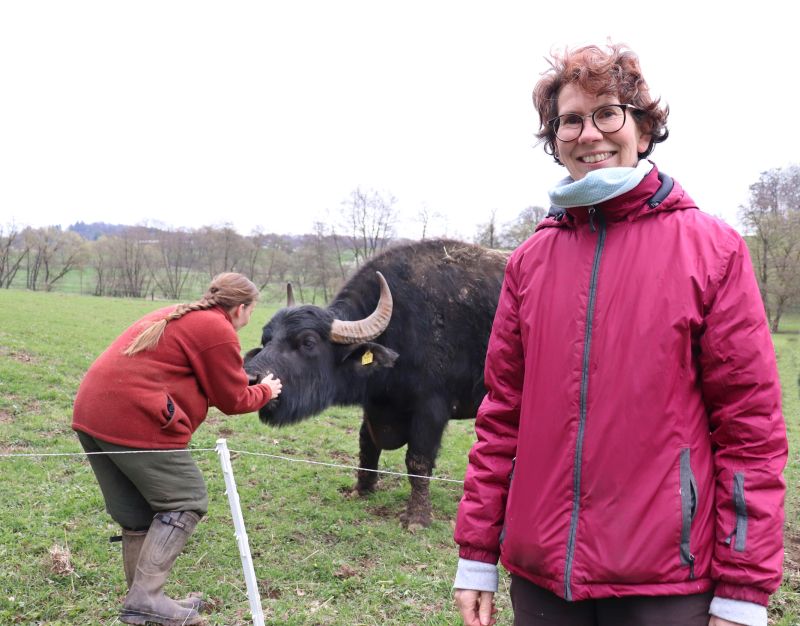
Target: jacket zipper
<point x="740" y="506"/>
<point x="510" y="479"/>
<point x="689" y="504"/>
<point x="587" y="341"/>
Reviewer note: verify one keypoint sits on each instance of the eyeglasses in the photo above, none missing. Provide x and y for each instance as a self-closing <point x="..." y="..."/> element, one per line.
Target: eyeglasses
<point x="609" y="118"/>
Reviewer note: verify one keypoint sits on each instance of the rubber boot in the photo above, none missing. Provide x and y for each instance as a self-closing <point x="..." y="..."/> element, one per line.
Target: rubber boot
<point x="132" y="542"/>
<point x="146" y="601"/>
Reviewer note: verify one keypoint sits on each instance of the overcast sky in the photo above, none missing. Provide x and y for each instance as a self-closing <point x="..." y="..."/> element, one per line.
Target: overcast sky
<point x="267" y="114"/>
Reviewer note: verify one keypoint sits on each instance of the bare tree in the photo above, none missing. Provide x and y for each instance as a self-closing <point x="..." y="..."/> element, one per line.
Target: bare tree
<point x="52" y="254"/>
<point x="103" y="260"/>
<point x="267" y="258"/>
<point x="133" y="259"/>
<point x="340" y="247"/>
<point x="300" y="271"/>
<point x="517" y="231"/>
<point x="324" y="260"/>
<point x="424" y="218"/>
<point x="224" y="250"/>
<point x="369" y="218"/>
<point x="772" y="220"/>
<point x="13" y="252"/>
<point x="487" y="234"/>
<point x="174" y="257"/>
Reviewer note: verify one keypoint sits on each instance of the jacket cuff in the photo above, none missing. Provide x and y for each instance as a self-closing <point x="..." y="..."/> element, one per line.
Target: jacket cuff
<point x="473" y="554"/>
<point x="476" y="575"/>
<point x="741" y="592"/>
<point x="739" y="611"/>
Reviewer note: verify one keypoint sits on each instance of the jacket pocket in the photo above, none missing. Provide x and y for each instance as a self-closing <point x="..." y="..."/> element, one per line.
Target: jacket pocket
<point x="689" y="500"/>
<point x="168" y="413"/>
<point x="174" y="419"/>
<point x="740" y="506"/>
<point x="510" y="478"/>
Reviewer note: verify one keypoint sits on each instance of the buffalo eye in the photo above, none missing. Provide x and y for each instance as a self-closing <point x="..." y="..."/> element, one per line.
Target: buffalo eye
<point x="308" y="341"/>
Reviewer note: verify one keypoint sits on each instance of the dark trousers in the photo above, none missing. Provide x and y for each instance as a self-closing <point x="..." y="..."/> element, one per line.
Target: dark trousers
<point x="137" y="486"/>
<point x="534" y="606"/>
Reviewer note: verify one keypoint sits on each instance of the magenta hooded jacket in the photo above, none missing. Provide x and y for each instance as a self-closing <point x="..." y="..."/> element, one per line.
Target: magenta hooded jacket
<point x="631" y="441"/>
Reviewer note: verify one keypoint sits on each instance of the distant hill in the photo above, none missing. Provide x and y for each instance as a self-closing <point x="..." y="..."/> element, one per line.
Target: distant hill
<point x="95" y="230"/>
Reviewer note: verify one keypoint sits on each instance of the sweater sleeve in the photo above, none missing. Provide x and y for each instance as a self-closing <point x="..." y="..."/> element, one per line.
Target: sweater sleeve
<point x="220" y="373"/>
<point x="742" y="394"/>
<point x="482" y="508"/>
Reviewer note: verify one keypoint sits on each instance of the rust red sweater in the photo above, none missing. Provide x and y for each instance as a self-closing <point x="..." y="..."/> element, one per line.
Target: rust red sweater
<point x="158" y="398"/>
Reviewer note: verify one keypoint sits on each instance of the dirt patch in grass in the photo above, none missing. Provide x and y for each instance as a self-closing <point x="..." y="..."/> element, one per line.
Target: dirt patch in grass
<point x="342" y="457"/>
<point x="18" y="408"/>
<point x="21" y="356"/>
<point x="792" y="548"/>
<point x="16" y="446"/>
<point x="268" y="589"/>
<point x="791" y="565"/>
<point x="384" y="512"/>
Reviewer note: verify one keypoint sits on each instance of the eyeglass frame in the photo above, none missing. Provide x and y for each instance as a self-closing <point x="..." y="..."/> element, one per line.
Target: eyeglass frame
<point x="624" y="108"/>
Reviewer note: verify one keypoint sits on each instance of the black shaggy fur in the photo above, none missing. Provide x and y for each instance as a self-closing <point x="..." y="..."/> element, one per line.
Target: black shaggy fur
<point x="427" y="366"/>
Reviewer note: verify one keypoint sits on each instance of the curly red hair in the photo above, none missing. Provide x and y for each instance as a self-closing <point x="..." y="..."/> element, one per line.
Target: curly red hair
<point x="598" y="72"/>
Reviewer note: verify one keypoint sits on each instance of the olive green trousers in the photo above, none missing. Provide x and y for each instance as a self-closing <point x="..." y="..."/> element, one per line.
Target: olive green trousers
<point x="137" y="486"/>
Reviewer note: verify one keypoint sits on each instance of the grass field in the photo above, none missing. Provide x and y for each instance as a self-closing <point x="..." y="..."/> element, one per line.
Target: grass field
<point x="320" y="558"/>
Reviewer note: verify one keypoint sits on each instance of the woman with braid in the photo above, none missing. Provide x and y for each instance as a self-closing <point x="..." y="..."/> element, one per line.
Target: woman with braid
<point x="150" y="390"/>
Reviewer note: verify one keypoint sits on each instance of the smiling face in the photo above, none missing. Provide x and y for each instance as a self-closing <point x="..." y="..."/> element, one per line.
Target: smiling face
<point x="593" y="150"/>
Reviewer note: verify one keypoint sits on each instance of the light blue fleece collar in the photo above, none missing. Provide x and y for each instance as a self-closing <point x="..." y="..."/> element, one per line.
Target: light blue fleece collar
<point x="598" y="185"/>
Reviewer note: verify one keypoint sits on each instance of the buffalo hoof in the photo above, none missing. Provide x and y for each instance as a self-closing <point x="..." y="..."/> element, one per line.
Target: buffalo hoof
<point x="358" y="492"/>
<point x="415" y="520"/>
<point x="366" y="488"/>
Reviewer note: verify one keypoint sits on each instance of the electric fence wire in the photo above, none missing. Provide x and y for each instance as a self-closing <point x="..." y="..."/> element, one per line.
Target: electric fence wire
<point x="28" y="455"/>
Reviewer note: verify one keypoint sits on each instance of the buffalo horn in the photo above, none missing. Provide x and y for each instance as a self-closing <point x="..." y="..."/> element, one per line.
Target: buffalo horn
<point x="370" y="327"/>
<point x="289" y="295"/>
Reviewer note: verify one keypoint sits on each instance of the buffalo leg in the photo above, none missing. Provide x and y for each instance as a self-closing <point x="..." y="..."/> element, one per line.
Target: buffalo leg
<point x="368" y="457"/>
<point x="423" y="445"/>
<point x="418" y="510"/>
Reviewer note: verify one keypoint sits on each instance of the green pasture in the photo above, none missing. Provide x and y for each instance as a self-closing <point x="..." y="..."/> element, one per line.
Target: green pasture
<point x="321" y="557"/>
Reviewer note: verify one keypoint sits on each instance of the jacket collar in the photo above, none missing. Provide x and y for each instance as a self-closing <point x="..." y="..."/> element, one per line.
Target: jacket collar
<point x="629" y="206"/>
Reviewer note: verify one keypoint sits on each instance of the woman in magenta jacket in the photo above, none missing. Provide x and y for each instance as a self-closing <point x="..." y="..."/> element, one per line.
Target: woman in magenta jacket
<point x="629" y="450"/>
<point x="149" y="391"/>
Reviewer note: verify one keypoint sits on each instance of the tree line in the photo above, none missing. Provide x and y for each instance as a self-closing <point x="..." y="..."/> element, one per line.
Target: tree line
<point x="144" y="261"/>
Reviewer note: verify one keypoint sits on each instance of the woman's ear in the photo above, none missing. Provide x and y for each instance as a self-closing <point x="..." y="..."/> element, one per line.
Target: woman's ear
<point x="236" y="312"/>
<point x="644" y="143"/>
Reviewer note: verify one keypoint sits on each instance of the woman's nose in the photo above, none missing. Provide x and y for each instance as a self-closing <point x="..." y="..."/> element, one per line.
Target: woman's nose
<point x="589" y="133"/>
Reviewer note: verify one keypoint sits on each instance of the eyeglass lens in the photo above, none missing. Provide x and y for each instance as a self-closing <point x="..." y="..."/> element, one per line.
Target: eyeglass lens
<point x="607" y="119"/>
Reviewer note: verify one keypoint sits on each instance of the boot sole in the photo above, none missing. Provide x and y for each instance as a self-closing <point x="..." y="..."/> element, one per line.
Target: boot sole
<point x="134" y="617"/>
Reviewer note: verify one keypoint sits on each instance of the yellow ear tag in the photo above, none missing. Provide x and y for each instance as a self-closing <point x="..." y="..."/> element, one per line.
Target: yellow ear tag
<point x="366" y="358"/>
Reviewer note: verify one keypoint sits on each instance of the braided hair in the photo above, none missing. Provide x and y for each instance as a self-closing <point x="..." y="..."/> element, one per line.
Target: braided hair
<point x="226" y="290"/>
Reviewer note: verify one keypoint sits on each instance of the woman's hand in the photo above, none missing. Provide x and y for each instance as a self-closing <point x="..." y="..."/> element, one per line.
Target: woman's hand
<point x="274" y="384"/>
<point x="476" y="607"/>
<point x="718" y="621"/>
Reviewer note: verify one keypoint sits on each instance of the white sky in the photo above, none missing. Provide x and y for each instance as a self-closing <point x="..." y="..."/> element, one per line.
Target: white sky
<point x="269" y="113"/>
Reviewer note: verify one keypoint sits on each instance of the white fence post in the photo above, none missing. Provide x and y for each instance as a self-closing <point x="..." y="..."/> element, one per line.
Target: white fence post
<point x="241" y="534"/>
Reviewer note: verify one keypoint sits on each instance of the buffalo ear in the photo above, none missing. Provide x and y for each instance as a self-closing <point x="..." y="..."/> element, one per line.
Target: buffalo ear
<point x="367" y="356"/>
<point x="251" y="353"/>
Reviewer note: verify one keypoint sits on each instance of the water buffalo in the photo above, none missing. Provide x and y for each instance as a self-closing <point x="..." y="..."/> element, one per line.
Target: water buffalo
<point x="405" y="338"/>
